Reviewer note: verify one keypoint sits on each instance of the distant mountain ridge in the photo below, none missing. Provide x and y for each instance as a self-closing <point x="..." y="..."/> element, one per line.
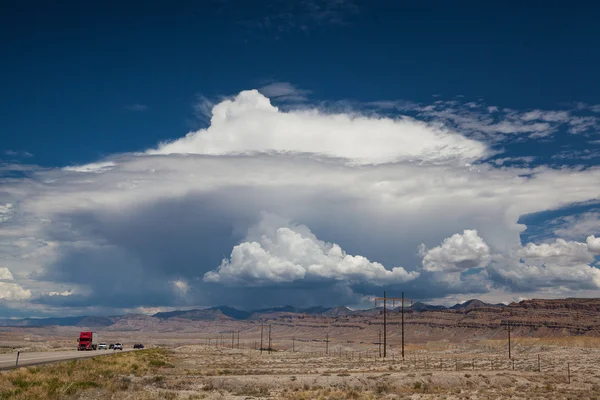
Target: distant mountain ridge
<point x="230" y="313"/>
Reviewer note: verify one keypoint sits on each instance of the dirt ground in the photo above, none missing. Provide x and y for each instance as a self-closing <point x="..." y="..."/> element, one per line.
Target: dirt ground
<point x="539" y="369"/>
<point x="478" y="370"/>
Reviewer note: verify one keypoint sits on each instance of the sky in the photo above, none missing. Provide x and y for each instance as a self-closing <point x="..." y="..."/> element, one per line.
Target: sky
<point x="166" y="155"/>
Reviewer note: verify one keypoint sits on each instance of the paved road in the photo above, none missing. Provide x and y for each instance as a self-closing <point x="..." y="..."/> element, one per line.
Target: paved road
<point x="8" y="360"/>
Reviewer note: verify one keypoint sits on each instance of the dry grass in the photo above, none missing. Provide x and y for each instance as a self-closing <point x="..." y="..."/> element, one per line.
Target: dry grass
<point x="568" y="341"/>
<point x="107" y="374"/>
<point x="202" y="372"/>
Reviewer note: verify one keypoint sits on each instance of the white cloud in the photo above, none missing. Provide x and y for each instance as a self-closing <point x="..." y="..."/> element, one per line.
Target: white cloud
<point x="522" y="276"/>
<point x="457" y="253"/>
<point x="5" y="274"/>
<point x="249" y="124"/>
<point x="5" y="211"/>
<point x="294" y="253"/>
<point x="172" y="217"/>
<point x="13" y="153"/>
<point x="578" y="226"/>
<point x="512" y="160"/>
<point x="92" y="167"/>
<point x="560" y="252"/>
<point x="495" y="124"/>
<point x="546" y="265"/>
<point x="181" y="286"/>
<point x="64" y="293"/>
<point x="284" y="91"/>
<point x="550" y="116"/>
<point x="13" y="291"/>
<point x="593" y="244"/>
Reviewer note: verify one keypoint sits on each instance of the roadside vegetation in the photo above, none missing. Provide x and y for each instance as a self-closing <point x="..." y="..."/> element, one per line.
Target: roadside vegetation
<point x="471" y="370"/>
<point x="103" y="375"/>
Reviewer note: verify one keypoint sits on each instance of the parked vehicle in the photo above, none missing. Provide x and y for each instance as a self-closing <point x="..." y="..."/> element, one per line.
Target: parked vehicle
<point x="118" y="346"/>
<point x="111" y="346"/>
<point x="102" y="346"/>
<point x="138" y="346"/>
<point x="87" y="341"/>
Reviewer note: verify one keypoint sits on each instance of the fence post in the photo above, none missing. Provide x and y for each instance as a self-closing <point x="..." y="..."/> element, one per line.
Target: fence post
<point x="569" y="372"/>
<point x="18" y="353"/>
<point x="473" y="364"/>
<point x="539" y="365"/>
<point x="513" y="363"/>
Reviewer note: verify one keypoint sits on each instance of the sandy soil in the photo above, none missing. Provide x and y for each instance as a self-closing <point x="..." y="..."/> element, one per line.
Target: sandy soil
<point x="300" y="369"/>
<point x="437" y="370"/>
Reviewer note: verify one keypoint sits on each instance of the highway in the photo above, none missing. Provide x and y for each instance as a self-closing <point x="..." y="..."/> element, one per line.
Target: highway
<point x="8" y="360"/>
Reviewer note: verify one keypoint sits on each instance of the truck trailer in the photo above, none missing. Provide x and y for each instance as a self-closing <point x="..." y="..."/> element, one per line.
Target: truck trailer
<point x="87" y="341"/>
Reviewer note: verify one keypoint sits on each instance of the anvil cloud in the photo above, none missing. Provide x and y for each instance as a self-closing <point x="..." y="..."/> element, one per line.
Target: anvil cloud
<point x="299" y="206"/>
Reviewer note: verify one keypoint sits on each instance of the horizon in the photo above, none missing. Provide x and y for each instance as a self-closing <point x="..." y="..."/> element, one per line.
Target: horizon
<point x="305" y="152"/>
<point x="201" y="308"/>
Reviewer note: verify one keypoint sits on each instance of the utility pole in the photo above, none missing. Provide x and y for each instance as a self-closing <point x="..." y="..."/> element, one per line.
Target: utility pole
<point x="384" y="326"/>
<point x="261" y="338"/>
<point x="293" y="342"/>
<point x="327" y="342"/>
<point x="232" y="339"/>
<point x="269" y="338"/>
<point x="385" y="299"/>
<point x="403" y="323"/>
<point x="509" y="352"/>
<point x="238" y="342"/>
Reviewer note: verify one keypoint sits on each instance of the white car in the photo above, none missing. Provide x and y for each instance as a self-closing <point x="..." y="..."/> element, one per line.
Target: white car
<point x="102" y="346"/>
<point x="118" y="346"/>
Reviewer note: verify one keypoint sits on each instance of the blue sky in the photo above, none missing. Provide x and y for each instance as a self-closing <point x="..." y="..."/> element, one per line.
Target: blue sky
<point x="499" y="100"/>
<point x="75" y="68"/>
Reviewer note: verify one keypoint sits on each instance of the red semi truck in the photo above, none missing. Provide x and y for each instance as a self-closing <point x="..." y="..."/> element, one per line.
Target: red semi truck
<point x="87" y="341"/>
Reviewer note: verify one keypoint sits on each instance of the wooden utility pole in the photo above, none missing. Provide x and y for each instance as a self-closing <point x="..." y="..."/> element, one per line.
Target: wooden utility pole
<point x="384" y="326"/>
<point x="238" y="340"/>
<point x="261" y="338"/>
<point x="385" y="299"/>
<point x="403" y="325"/>
<point x="327" y="342"/>
<point x="293" y="343"/>
<point x="509" y="352"/>
<point x="269" y="338"/>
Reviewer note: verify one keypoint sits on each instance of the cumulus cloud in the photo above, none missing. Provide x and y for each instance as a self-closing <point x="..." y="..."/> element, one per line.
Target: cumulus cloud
<point x="457" y="253"/>
<point x="593" y="244"/>
<point x="9" y="290"/>
<point x="13" y="291"/>
<point x="295" y="253"/>
<point x="464" y="261"/>
<point x="5" y="274"/>
<point x="522" y="276"/>
<point x="560" y="252"/>
<point x="249" y="123"/>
